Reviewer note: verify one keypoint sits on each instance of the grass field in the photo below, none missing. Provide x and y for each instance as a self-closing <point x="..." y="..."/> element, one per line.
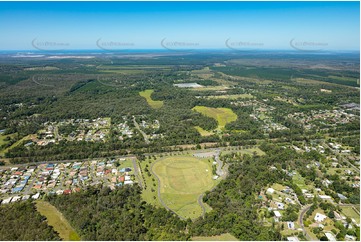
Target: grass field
<point x="211" y="88"/>
<point x="2" y="139"/>
<point x="222" y="237"/>
<point x="232" y="97"/>
<point x="202" y="131"/>
<point x="350" y="212"/>
<point x="125" y="164"/>
<point x="221" y="115"/>
<point x="57" y="220"/>
<point x="147" y="95"/>
<point x="182" y="180"/>
<point x="2" y="152"/>
<point x="149" y="194"/>
<point x="299" y="181"/>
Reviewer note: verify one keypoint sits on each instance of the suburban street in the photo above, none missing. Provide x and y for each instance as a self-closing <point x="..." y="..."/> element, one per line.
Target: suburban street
<point x="137" y="172"/>
<point x="221" y="171"/>
<point x="159" y="196"/>
<point x="300" y="220"/>
<point x="141" y="131"/>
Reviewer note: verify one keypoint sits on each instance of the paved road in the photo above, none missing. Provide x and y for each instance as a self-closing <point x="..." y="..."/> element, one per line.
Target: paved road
<point x="141" y="131"/>
<point x="221" y="170"/>
<point x="300" y="220"/>
<point x="200" y="202"/>
<point x="33" y="178"/>
<point x="137" y="172"/>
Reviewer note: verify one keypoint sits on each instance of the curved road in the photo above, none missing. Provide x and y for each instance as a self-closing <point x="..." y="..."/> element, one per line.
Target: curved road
<point x="160" y="198"/>
<point x="200" y="202"/>
<point x="300" y="220"/>
<point x="221" y="172"/>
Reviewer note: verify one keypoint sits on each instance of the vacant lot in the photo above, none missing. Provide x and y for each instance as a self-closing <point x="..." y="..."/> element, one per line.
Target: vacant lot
<point x="182" y="180"/>
<point x="147" y="95"/>
<point x="57" y="220"/>
<point x="222" y="115"/>
<point x="222" y="237"/>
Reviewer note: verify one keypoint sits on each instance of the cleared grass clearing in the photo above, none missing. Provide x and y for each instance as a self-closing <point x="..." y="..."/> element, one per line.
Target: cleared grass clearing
<point x="299" y="181"/>
<point x="150" y="194"/>
<point x="211" y="88"/>
<point x="28" y="137"/>
<point x="350" y="212"/>
<point x="182" y="180"/>
<point x="232" y="97"/>
<point x="221" y="115"/>
<point x="222" y="237"/>
<point x="147" y="95"/>
<point x="3" y="137"/>
<point x="203" y="132"/>
<point x="57" y="220"/>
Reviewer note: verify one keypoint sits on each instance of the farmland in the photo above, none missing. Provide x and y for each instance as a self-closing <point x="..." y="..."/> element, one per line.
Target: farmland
<point x="182" y="180"/>
<point x="147" y="95"/>
<point x="221" y="115"/>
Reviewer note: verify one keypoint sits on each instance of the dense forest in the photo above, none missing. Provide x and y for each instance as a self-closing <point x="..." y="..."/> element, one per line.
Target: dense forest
<point x="102" y="214"/>
<point x="21" y="221"/>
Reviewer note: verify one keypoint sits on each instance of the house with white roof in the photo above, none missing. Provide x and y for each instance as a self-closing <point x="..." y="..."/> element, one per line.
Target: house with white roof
<point x="270" y="190"/>
<point x="36" y="196"/>
<point x="320" y="217"/>
<point x="16" y="198"/>
<point x="330" y="236"/>
<point x="292" y="239"/>
<point x="7" y="200"/>
<point x="277" y="214"/>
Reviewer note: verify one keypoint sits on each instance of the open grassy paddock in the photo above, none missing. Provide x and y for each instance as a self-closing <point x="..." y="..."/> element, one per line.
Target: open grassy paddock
<point x="350" y="212"/>
<point x="2" y="152"/>
<point x="182" y="180"/>
<point x="202" y="131"/>
<point x="149" y="193"/>
<point x="147" y="95"/>
<point x="232" y="97"/>
<point x="3" y="137"/>
<point x="222" y="237"/>
<point x="57" y="220"/>
<point x="222" y="115"/>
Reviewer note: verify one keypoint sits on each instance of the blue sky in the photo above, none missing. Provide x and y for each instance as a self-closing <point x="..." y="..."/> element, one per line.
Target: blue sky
<point x="143" y="25"/>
